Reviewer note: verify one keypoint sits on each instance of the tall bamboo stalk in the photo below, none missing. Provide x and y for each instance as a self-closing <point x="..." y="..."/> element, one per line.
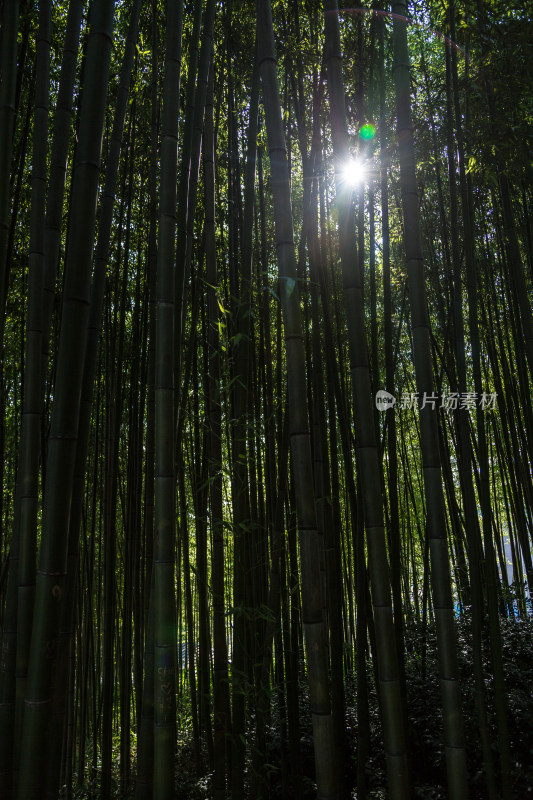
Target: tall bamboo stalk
<point x="241" y="377"/>
<point x="421" y="332"/>
<point x="163" y="564"/>
<point x="365" y="434"/>
<point x="327" y="761"/>
<point x="64" y="425"/>
<point x="30" y="442"/>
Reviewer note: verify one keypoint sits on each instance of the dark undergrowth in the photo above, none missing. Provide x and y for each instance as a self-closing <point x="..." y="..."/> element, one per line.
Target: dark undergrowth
<point x="425" y="724"/>
<point x="428" y="769"/>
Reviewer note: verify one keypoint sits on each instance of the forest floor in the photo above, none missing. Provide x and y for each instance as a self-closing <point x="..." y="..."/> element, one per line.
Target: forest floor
<point x="424" y="720"/>
<point x="425" y="725"/>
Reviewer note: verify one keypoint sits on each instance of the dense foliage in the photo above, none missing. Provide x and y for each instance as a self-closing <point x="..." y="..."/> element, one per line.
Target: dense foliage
<point x="226" y="231"/>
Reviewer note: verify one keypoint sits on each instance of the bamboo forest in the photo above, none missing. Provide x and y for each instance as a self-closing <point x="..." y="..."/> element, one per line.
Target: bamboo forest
<point x="266" y="429"/>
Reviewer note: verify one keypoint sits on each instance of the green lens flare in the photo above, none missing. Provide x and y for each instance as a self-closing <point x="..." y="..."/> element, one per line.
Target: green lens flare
<point x="367" y="131"/>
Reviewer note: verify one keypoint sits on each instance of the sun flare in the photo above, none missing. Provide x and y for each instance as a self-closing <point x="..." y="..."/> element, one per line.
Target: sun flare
<point x="354" y="172"/>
